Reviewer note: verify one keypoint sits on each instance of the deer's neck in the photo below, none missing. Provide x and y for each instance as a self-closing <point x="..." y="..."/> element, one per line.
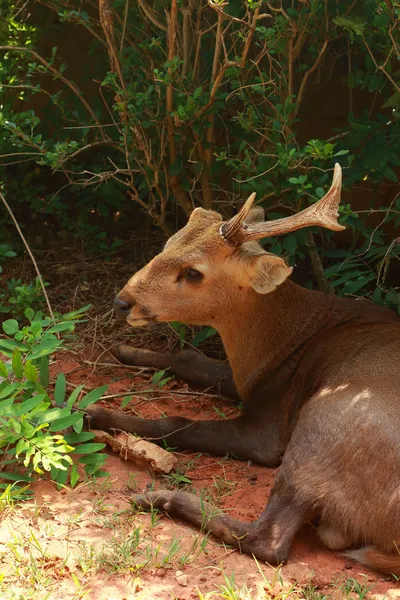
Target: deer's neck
<point x="261" y="331"/>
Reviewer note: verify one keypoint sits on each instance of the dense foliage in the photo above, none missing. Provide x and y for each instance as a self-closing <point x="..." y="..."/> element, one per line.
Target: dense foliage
<point x="33" y="417"/>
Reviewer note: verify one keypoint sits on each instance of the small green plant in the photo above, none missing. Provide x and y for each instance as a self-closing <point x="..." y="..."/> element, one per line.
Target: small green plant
<point x="230" y="590"/>
<point x="159" y="380"/>
<point x="353" y="588"/>
<point x="200" y="336"/>
<point x="19" y="296"/>
<point x="178" y="480"/>
<point x="33" y="417"/>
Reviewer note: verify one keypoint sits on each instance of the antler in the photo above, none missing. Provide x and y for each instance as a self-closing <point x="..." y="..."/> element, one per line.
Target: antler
<point x="323" y="213"/>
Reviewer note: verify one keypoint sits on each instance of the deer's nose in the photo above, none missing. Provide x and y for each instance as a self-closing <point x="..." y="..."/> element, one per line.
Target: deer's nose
<point x="122" y="308"/>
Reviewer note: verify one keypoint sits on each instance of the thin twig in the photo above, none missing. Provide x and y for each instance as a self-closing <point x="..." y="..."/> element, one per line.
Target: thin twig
<point x="152" y="15"/>
<point x="307" y="75"/>
<point x="121" y="46"/>
<point x="322" y="281"/>
<point x="4" y="201"/>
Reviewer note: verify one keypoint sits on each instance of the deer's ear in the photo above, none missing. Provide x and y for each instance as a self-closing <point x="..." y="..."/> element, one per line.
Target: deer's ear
<point x="256" y="215"/>
<point x="208" y="216"/>
<point x="267" y="272"/>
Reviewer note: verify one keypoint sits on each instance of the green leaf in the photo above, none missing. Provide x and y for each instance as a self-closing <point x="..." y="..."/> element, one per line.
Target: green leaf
<point x="355" y="24"/>
<point x="92" y="396"/>
<point x="22" y="446"/>
<point x="44" y="372"/>
<point x="97" y="473"/>
<point x="74" y="477"/>
<point x="377" y="296"/>
<point x="7" y="347"/>
<point x="45" y="347"/>
<point x="30" y="372"/>
<point x="17" y="365"/>
<point x="78" y="426"/>
<point x="125" y="401"/>
<point x="10" y="327"/>
<point x="392" y="299"/>
<point x="78" y="438"/>
<point x="203" y="335"/>
<point x="76" y="313"/>
<point x="72" y="399"/>
<point x="155" y="380"/>
<point x="15" y="477"/>
<point x="61" y="327"/>
<point x="92" y="459"/>
<point x="28" y="405"/>
<point x="3" y="370"/>
<point x="389" y="173"/>
<point x="59" y="390"/>
<point x="289" y="244"/>
<point x="9" y="389"/>
<point x="54" y="414"/>
<point x="89" y="448"/>
<point x="60" y="476"/>
<point x="351" y="287"/>
<point x="30" y="314"/>
<point x="61" y="424"/>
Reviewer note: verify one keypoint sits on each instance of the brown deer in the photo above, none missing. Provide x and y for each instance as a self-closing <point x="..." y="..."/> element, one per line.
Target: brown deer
<point x="318" y="376"/>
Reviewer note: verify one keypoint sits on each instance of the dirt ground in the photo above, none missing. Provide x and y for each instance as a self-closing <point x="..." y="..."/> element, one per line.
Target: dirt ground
<point x="89" y="543"/>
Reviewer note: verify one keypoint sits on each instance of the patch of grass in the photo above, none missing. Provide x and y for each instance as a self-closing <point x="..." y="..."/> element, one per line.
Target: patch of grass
<point x="275" y="588"/>
<point x="29" y="571"/>
<point x="353" y="589"/>
<point x="178" y="480"/>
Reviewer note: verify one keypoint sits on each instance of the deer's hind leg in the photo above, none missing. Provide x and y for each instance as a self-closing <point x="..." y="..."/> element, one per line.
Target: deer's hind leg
<point x="269" y="538"/>
<point x="190" y="366"/>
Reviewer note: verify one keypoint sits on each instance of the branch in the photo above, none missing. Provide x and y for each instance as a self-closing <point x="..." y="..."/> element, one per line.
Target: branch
<point x="152" y="15"/>
<point x="186" y="35"/>
<point x="307" y="75"/>
<point x="87" y="147"/>
<point x="381" y="67"/>
<point x="67" y="82"/>
<point x="105" y="13"/>
<point x="179" y="193"/>
<point x="323" y="284"/>
<point x="250" y="36"/>
<point x="219" y="9"/>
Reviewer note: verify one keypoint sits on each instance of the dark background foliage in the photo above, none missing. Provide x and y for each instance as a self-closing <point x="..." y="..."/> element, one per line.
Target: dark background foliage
<point x="117" y="118"/>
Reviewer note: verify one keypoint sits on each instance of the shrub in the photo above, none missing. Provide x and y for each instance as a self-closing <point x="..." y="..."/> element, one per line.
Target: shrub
<point x="33" y="417"/>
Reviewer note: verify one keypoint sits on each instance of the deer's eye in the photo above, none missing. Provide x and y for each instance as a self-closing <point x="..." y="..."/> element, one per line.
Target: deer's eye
<point x="192" y="275"/>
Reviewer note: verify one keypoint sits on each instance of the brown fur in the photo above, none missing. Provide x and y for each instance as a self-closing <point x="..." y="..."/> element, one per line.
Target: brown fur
<point x="320" y="384"/>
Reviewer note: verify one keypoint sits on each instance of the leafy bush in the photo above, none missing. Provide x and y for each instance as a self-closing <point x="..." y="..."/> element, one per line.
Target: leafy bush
<point x="33" y="418"/>
<point x="201" y="104"/>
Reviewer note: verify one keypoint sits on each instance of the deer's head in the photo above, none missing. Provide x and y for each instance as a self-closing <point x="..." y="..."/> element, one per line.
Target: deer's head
<point x="207" y="264"/>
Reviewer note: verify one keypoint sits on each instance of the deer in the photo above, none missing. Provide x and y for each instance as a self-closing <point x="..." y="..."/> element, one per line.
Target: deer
<point x="317" y="374"/>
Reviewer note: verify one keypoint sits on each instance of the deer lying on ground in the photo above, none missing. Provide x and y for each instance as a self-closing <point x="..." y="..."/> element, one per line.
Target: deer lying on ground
<point x="318" y="376"/>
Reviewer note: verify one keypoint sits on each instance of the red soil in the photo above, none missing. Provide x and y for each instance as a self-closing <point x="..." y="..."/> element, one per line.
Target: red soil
<point x="241" y="488"/>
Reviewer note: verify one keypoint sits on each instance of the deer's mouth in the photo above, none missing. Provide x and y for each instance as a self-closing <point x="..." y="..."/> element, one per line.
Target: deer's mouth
<point x="141" y="321"/>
